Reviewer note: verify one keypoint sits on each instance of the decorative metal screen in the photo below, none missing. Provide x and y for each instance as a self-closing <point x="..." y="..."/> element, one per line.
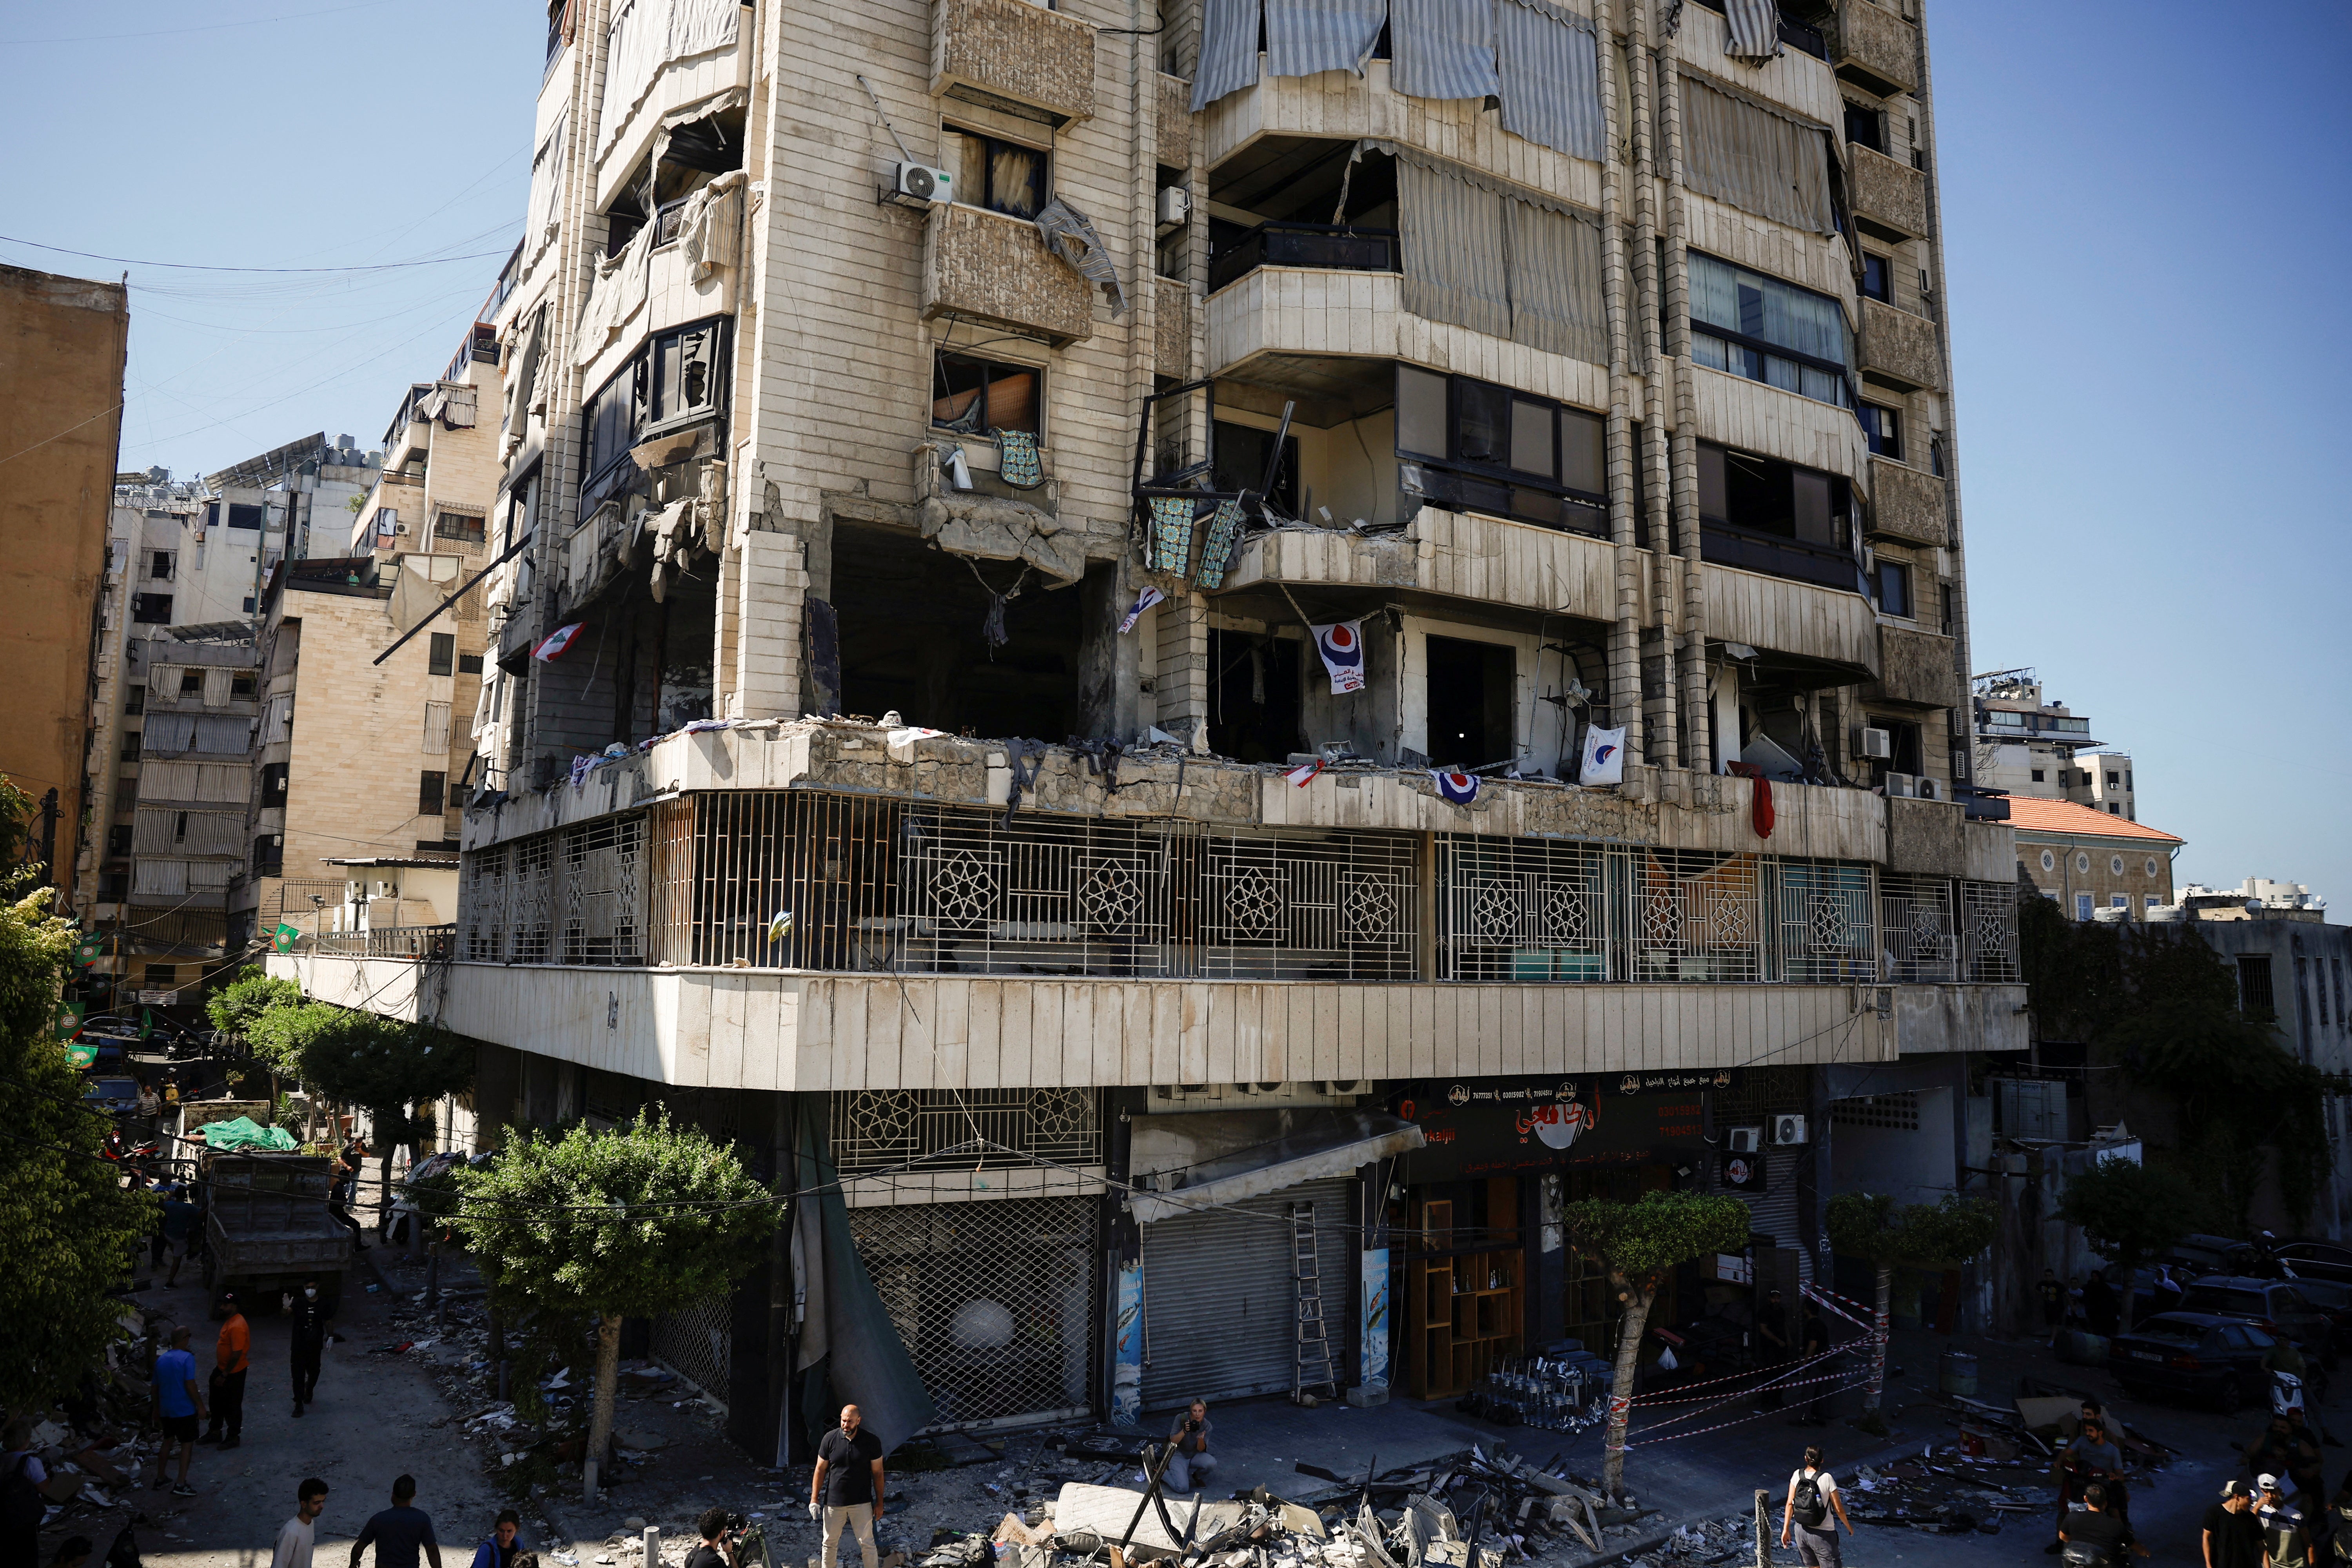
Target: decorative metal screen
<point x="1988" y="930"/>
<point x="697" y="1342"/>
<point x="1918" y="930"/>
<point x="1899" y="1111"/>
<point x="1825" y="934"/>
<point x="1695" y="916"/>
<point x="891" y="885"/>
<point x="997" y="1301"/>
<point x="1528" y="909"/>
<point x="575" y="896"/>
<point x="882" y="1128"/>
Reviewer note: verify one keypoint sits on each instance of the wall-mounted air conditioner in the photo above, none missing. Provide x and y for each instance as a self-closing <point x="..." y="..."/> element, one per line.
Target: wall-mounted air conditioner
<point x="1743" y="1140"/>
<point x="921" y="182"/>
<point x="1788" y="1130"/>
<point x="1175" y="206"/>
<point x="1903" y="786"/>
<point x="1874" y="746"/>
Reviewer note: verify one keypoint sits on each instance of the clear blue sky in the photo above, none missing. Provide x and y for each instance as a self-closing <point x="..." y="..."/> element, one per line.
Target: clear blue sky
<point x="2149" y="406"/>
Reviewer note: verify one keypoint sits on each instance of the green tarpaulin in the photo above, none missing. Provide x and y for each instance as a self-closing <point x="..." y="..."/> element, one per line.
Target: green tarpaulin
<point x="243" y="1133"/>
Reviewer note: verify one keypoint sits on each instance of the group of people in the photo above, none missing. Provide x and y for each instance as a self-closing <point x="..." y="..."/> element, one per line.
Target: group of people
<point x="179" y="1402"/>
<point x="400" y="1534"/>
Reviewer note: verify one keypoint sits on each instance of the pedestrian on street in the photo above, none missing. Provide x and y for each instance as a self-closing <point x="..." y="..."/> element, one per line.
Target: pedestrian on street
<point x="2087" y="1458"/>
<point x="2289" y="1451"/>
<point x="2052" y="1294"/>
<point x="717" y="1547"/>
<point x="21" y="1475"/>
<point x="2286" y="1539"/>
<point x="298" y="1534"/>
<point x="2339" y="1524"/>
<point x="177" y="1406"/>
<point x="151" y="1105"/>
<point x="846" y="1489"/>
<point x="1812" y="1500"/>
<point x="498" y="1549"/>
<point x="1189" y="1460"/>
<point x="1816" y="1351"/>
<point x="2102" y="1310"/>
<point x="231" y="1354"/>
<point x="2096" y="1538"/>
<point x="1771" y="1347"/>
<point x="398" y="1532"/>
<point x="2232" y="1536"/>
<point x="307" y="1318"/>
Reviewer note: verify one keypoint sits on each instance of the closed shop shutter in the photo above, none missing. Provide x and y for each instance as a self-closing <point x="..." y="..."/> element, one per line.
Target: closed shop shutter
<point x="1219" y="1319"/>
<point x="1774" y="1213"/>
<point x="996" y="1302"/>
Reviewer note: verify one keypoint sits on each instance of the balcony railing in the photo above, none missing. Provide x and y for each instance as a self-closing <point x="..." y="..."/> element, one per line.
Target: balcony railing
<point x="387" y="942"/>
<point x="1821" y="564"/>
<point x="1324" y="244"/>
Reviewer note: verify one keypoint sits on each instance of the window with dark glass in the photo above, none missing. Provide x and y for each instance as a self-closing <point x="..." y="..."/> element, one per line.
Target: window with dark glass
<point x="469" y="664"/>
<point x="241" y="686"/>
<point x="118" y="838"/>
<point x="1243" y="452"/>
<point x="1894" y="588"/>
<point x="1877" y="273"/>
<point x="135" y="699"/>
<point x="1748" y="324"/>
<point x="430" y="793"/>
<point x="441" y="657"/>
<point x="977" y="396"/>
<point x="458" y="527"/>
<point x="1003" y="176"/>
<point x="243" y="516"/>
<point x="1490" y="448"/>
<point x="152" y="609"/>
<point x="273" y="785"/>
<point x="1865" y="127"/>
<point x="159" y="565"/>
<point x="192" y="682"/>
<point x="676" y="379"/>
<point x="1882" y="428"/>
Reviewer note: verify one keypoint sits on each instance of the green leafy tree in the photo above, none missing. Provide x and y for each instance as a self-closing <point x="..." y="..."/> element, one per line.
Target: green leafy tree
<point x="627" y="1223"/>
<point x="361" y="1059"/>
<point x="2129" y="1212"/>
<point x="1640" y="1244"/>
<point x="67" y="1228"/>
<point x="1921" y="1236"/>
<point x="234" y="1008"/>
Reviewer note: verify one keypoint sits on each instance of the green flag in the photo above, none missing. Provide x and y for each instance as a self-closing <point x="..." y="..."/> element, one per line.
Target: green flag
<point x="146" y="1023"/>
<point x="283" y="938"/>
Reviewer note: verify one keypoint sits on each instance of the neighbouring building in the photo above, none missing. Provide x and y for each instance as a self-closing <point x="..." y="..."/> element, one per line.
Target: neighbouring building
<point x="317" y="487"/>
<point x="2033" y="746"/>
<point x="62" y="347"/>
<point x="987" y="573"/>
<point x="2256" y="897"/>
<point x="2094" y="865"/>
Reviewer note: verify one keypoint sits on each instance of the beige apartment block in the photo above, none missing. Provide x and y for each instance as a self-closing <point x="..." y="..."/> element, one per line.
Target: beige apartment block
<point x="2090" y="861"/>
<point x="939" y="440"/>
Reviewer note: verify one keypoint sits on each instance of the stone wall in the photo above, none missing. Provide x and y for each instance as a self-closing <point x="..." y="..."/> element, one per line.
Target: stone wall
<point x="1879" y="43"/>
<point x="1907" y="503"/>
<point x="1888" y="192"/>
<point x="1018" y="50"/>
<point x="1917" y="668"/>
<point x="984" y="264"/>
<point x="1899" y="346"/>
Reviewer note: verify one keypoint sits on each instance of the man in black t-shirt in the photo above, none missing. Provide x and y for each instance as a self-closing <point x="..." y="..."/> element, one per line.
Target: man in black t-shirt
<point x="2052" y="1292"/>
<point x="2108" y="1538"/>
<point x="2232" y="1536"/>
<point x="847" y="1486"/>
<point x="715" y="1550"/>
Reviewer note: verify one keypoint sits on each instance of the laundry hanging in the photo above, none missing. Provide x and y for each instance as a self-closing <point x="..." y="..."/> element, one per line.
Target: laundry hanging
<point x="1217" y="545"/>
<point x="1169" y="547"/>
<point x="1070" y="235"/>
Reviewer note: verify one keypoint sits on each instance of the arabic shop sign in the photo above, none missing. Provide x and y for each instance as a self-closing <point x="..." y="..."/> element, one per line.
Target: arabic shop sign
<point x="1619" y="1115"/>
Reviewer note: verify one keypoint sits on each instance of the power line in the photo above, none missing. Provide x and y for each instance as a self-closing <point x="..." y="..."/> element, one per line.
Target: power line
<point x="199" y="266"/>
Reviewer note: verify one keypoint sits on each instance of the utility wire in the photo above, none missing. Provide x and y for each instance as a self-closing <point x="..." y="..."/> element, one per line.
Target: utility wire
<point x="199" y="266"/>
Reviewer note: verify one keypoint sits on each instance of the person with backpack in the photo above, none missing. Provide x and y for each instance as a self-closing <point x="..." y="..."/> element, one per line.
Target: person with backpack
<point x="22" y="1475"/>
<point x="1812" y="1500"/>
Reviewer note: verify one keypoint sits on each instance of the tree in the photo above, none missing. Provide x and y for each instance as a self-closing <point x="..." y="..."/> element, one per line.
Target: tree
<point x="236" y="1006"/>
<point x="629" y="1223"/>
<point x="2129" y="1212"/>
<point x="1921" y="1236"/>
<point x="364" y="1059"/>
<point x="68" y="1228"/>
<point x="1640" y="1244"/>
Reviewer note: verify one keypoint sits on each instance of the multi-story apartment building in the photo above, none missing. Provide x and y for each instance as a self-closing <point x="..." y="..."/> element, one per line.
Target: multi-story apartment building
<point x="319" y="485"/>
<point x="1004" y="508"/>
<point x="2028" y="745"/>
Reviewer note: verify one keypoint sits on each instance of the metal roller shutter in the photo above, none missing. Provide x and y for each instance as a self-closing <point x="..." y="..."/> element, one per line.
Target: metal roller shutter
<point x="1774" y="1214"/>
<point x="1218" y="1318"/>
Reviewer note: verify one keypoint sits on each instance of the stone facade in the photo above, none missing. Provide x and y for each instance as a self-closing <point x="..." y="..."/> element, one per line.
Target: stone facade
<point x="1174" y="129"/>
<point x="1917" y="668"/>
<point x="1900" y="348"/>
<point x="1013" y="48"/>
<point x="986" y="265"/>
<point x="1907" y="503"/>
<point x="1888" y="194"/>
<point x="1172" y="342"/>
<point x="1876" y="47"/>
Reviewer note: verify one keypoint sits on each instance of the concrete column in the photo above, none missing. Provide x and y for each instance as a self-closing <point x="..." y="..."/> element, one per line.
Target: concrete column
<point x="1624" y="691"/>
<point x="768" y="627"/>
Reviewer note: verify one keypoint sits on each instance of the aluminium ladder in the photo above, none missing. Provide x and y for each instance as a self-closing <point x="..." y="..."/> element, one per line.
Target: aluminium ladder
<point x="1311" y="1346"/>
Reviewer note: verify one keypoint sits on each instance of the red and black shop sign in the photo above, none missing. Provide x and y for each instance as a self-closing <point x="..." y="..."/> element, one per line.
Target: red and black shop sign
<point x="1491" y="1126"/>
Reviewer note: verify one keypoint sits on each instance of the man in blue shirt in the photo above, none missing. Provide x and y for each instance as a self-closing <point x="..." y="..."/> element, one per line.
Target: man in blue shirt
<point x="179" y="1404"/>
<point x="399" y="1532"/>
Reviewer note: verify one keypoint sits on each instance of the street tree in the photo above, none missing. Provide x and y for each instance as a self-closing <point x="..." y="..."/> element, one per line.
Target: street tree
<point x="626" y="1223"/>
<point x="386" y="1065"/>
<point x="2129" y="1214"/>
<point x="1871" y="1225"/>
<point x="234" y="1008"/>
<point x="68" y="1228"/>
<point x="1640" y="1244"/>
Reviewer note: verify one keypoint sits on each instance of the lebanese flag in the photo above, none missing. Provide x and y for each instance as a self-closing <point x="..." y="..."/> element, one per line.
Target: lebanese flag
<point x="1302" y="774"/>
<point x="557" y="641"/>
<point x="1455" y="786"/>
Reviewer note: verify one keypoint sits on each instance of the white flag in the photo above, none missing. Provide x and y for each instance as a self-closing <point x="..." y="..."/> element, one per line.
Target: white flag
<point x="1341" y="643"/>
<point x="1604" y="756"/>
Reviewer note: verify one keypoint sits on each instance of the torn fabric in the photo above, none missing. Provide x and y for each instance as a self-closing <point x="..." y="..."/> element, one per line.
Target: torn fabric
<point x="1444" y="49"/>
<point x="1070" y="235"/>
<point x="1549" y="67"/>
<point x="1228" y="61"/>
<point x="711" y="228"/>
<point x="615" y="294"/>
<point x="1753" y="28"/>
<point x="1305" y="37"/>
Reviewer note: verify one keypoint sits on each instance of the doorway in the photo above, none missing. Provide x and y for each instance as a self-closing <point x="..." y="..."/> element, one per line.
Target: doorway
<point x="1469" y="702"/>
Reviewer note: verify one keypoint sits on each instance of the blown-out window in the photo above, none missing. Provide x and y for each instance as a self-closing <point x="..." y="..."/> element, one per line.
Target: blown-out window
<point x="1474" y="444"/>
<point x="976" y="395"/>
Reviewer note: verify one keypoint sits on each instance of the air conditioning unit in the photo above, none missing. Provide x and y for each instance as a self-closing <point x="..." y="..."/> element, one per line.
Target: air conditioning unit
<point x="920" y="183"/>
<point x="1904" y="786"/>
<point x="1928" y="788"/>
<point x="1788" y="1130"/>
<point x="1743" y="1140"/>
<point x="1175" y="206"/>
<point x="1875" y="745"/>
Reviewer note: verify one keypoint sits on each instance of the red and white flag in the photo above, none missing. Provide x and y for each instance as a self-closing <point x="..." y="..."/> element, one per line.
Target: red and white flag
<point x="553" y="645"/>
<point x="1302" y="774"/>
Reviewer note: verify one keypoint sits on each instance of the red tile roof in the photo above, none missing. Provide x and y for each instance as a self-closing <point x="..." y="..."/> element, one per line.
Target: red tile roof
<point x="2031" y="817"/>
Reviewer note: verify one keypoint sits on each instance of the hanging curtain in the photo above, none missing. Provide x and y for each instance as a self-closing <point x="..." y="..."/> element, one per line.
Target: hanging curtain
<point x="1228" y="61"/>
<point x="1760" y="160"/>
<point x="1304" y="37"/>
<point x="546" y="208"/>
<point x="1754" y="27"/>
<point x="1550" y="76"/>
<point x="1452" y="235"/>
<point x="1555" y="272"/>
<point x="1444" y="49"/>
<point x="216" y="687"/>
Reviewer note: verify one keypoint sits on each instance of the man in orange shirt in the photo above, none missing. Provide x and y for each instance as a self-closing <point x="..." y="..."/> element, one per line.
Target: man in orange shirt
<point x="231" y="1355"/>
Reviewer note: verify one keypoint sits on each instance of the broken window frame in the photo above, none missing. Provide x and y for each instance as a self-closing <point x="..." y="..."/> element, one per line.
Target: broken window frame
<point x="1882" y="429"/>
<point x="987" y="367"/>
<point x="1750" y="545"/>
<point x="162" y="564"/>
<point x="1040" y="183"/>
<point x="1496" y="487"/>
<point x="636" y="390"/>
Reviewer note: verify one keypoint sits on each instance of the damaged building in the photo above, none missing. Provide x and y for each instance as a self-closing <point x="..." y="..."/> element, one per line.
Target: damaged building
<point x="1227" y="644"/>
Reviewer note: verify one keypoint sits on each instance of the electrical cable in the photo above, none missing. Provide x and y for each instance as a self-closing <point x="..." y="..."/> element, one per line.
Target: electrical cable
<point x="200" y="267"/>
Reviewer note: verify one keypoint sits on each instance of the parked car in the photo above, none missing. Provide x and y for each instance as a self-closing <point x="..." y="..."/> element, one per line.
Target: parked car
<point x="2316" y="1259"/>
<point x="2209" y="1253"/>
<point x="2193" y="1355"/>
<point x="2333" y="1297"/>
<point x="2276" y="1306"/>
<point x="114" y="1096"/>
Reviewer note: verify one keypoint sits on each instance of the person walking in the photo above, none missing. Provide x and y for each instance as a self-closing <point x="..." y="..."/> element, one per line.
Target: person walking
<point x="1812" y="1500"/>
<point x="2096" y="1538"/>
<point x="178" y="1404"/>
<point x="399" y="1532"/>
<point x="21" y="1475"/>
<point x="498" y="1549"/>
<point x="298" y="1535"/>
<point x="2232" y="1536"/>
<point x="2286" y="1538"/>
<point x="306" y="1318"/>
<point x="846" y="1489"/>
<point x="231" y="1354"/>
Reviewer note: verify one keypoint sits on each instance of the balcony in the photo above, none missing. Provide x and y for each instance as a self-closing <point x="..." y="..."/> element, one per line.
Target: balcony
<point x="1898" y="349"/>
<point x="1875" y="49"/>
<point x="1823" y="565"/>
<point x="1917" y="668"/>
<point x="1890" y="197"/>
<point x="1171" y="339"/>
<point x="987" y="265"/>
<point x="1175" y="125"/>
<point x="1330" y="247"/>
<point x="1016" y="50"/>
<point x="1907" y="503"/>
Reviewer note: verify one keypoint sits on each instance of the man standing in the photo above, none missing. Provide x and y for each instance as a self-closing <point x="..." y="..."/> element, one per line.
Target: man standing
<point x="2088" y="1457"/>
<point x="2232" y="1536"/>
<point x="307" y="1318"/>
<point x="497" y="1552"/>
<point x="230" y="1352"/>
<point x="178" y="1406"/>
<point x="1771" y="1347"/>
<point x="847" y="1486"/>
<point x="176" y="1229"/>
<point x="2105" y="1538"/>
<point x="2053" y="1296"/>
<point x="298" y="1534"/>
<point x="1812" y="1498"/>
<point x="2286" y="1543"/>
<point x="1190" y="1463"/>
<point x="398" y="1532"/>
